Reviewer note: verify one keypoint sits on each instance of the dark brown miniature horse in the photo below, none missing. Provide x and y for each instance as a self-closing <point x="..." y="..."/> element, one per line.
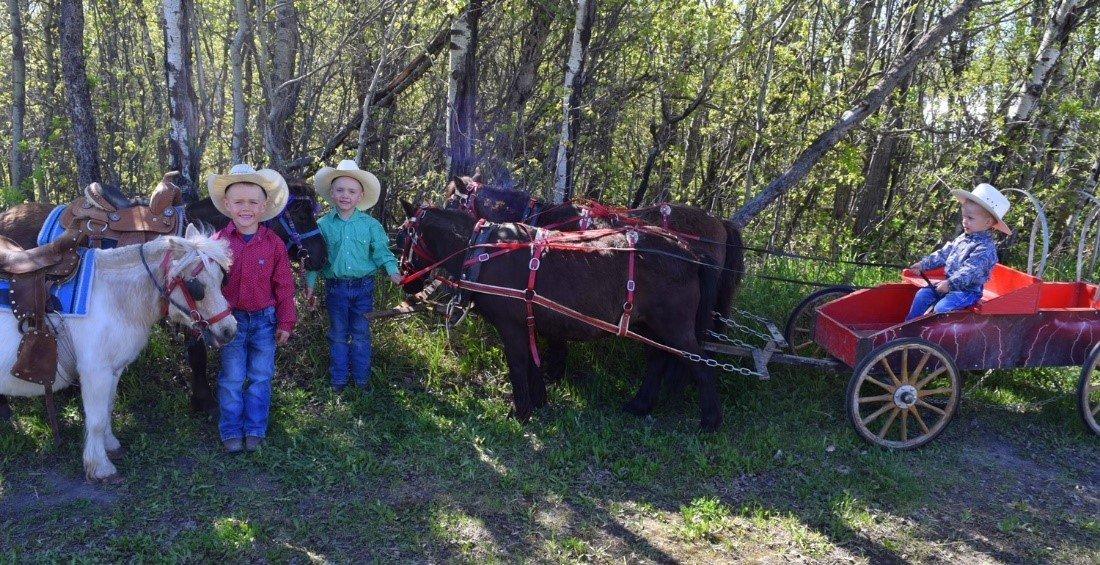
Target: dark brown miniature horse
<point x="672" y="304"/>
<point x="297" y="227"/>
<point x="705" y="234"/>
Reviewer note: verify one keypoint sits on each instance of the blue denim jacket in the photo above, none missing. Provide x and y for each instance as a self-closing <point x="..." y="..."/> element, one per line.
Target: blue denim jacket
<point x="969" y="259"/>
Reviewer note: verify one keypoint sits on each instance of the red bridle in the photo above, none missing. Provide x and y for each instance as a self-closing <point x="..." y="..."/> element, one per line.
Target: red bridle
<point x="200" y="323"/>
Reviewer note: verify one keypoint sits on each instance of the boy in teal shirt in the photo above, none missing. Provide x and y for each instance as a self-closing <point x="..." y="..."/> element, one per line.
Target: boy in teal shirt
<point x="358" y="247"/>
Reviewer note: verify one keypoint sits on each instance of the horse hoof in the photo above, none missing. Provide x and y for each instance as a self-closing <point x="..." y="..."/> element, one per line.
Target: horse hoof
<point x="116" y="454"/>
<point x="114" y="479"/>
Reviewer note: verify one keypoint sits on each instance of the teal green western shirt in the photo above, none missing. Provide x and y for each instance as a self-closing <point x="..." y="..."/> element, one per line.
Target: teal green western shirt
<point x="357" y="247"/>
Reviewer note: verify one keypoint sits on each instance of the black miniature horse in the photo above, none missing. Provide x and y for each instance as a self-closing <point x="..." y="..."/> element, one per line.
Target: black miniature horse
<point x="716" y="238"/>
<point x="672" y="305"/>
<point x="297" y="226"/>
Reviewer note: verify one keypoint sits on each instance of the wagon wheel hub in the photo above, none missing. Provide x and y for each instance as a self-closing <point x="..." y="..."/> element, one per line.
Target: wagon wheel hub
<point x="905" y="396"/>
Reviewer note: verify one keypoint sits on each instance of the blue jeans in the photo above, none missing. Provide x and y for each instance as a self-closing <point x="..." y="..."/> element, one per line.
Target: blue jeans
<point x="349" y="332"/>
<point x="954" y="300"/>
<point x="249" y="357"/>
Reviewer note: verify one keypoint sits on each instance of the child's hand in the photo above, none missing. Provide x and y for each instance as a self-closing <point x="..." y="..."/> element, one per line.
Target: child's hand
<point x="281" y="337"/>
<point x="396" y="279"/>
<point x="943" y="287"/>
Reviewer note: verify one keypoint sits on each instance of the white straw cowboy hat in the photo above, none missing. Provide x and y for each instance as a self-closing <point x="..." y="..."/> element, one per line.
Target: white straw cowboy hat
<point x="322" y="182"/>
<point x="990" y="199"/>
<point x="271" y="181"/>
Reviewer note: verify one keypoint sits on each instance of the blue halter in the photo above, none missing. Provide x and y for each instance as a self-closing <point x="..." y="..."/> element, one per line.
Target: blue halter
<point x="287" y="223"/>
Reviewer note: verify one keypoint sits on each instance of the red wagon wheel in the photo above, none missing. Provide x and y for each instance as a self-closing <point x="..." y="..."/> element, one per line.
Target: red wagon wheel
<point x="1088" y="391"/>
<point x="903" y="394"/>
<point x="799" y="331"/>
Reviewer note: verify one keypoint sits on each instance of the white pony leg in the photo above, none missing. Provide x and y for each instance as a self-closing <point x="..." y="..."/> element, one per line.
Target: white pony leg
<point x="96" y="390"/>
<point x="110" y="442"/>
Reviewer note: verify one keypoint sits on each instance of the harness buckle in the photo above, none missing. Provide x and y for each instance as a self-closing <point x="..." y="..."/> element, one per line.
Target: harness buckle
<point x="534" y="264"/>
<point x="628" y="307"/>
<point x="632" y="237"/>
<point x="483" y="257"/>
<point x="630" y="285"/>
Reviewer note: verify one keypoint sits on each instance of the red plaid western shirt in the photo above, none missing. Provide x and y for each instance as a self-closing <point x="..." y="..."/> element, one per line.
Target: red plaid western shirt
<point x="260" y="276"/>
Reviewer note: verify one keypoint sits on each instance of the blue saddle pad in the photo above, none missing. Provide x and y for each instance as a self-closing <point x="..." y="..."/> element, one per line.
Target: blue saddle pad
<point x="72" y="295"/>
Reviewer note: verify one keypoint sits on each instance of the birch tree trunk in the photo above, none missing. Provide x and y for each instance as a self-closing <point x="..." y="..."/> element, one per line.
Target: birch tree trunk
<point x="183" y="155"/>
<point x="18" y="101"/>
<point x="565" y="161"/>
<point x="237" y="53"/>
<point x="854" y="116"/>
<point x="1064" y="19"/>
<point x="462" y="91"/>
<point x="77" y="94"/>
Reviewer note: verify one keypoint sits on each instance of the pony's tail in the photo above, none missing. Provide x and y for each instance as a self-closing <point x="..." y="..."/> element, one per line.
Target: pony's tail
<point x="733" y="269"/>
<point x="710" y="280"/>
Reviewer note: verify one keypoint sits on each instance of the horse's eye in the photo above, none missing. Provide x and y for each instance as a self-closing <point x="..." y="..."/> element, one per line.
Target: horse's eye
<point x="195" y="289"/>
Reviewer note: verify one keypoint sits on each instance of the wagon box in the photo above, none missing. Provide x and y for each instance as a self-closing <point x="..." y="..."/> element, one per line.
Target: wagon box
<point x="1020" y="322"/>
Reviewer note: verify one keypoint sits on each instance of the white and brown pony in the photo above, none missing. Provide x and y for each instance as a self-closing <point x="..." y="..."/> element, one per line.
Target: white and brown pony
<point x="133" y="288"/>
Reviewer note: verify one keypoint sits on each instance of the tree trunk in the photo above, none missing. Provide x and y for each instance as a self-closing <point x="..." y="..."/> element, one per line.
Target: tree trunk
<point x="18" y="101"/>
<point x="77" y="93"/>
<point x="565" y="161"/>
<point x="1063" y="21"/>
<point x="880" y="166"/>
<point x="512" y="130"/>
<point x="842" y="200"/>
<point x="237" y="53"/>
<point x="368" y="97"/>
<point x="854" y="116"/>
<point x="281" y="49"/>
<point x="183" y="155"/>
<point x="462" y="91"/>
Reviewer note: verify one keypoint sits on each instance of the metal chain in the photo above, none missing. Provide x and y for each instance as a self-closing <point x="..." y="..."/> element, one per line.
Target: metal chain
<point x="715" y="364"/>
<point x="728" y="339"/>
<point x="737" y="325"/>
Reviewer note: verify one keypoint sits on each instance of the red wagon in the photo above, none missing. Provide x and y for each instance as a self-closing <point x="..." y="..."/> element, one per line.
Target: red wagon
<point x="906" y="385"/>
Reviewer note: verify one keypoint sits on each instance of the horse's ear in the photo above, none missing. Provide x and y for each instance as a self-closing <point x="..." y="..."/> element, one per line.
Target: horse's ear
<point x="477" y="175"/>
<point x="459" y="184"/>
<point x="191" y="232"/>
<point x="410" y="209"/>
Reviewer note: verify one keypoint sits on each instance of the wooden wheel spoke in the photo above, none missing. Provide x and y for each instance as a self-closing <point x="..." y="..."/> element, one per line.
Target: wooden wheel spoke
<point x="905" y="425"/>
<point x="882" y="385"/>
<point x="935" y="409"/>
<point x="929" y="378"/>
<point x="934" y="391"/>
<point x="877" y="413"/>
<point x="889" y="421"/>
<point x="905" y="365"/>
<point x="889" y="371"/>
<point x="920" y="366"/>
<point x="881" y="398"/>
<point x="920" y="420"/>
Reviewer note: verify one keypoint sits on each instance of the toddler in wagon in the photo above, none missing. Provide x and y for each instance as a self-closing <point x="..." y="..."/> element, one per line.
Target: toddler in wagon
<point x="969" y="258"/>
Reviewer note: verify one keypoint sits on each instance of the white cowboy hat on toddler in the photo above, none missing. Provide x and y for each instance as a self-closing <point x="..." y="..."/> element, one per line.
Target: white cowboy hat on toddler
<point x="991" y="200"/>
<point x="324" y="178"/>
<point x="271" y="181"/>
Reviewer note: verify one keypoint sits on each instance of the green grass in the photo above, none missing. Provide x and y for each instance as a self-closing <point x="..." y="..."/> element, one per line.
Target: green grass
<point x="431" y="467"/>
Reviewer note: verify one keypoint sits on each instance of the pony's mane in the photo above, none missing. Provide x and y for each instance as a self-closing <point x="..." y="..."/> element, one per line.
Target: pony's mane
<point x="301" y="187"/>
<point x="197" y="245"/>
<point x="513" y="199"/>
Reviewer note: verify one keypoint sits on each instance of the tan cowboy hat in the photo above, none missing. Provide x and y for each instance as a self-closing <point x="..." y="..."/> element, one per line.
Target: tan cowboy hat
<point x="991" y="200"/>
<point x="322" y="182"/>
<point x="269" y="180"/>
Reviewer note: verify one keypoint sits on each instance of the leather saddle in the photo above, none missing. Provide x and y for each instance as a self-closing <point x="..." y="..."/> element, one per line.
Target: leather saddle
<point x="110" y="219"/>
<point x="102" y="216"/>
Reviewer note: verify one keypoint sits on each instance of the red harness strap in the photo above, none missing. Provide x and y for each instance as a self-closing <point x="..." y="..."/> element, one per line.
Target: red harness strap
<point x="538" y="247"/>
<point x="192" y="304"/>
<point x="628" y="306"/>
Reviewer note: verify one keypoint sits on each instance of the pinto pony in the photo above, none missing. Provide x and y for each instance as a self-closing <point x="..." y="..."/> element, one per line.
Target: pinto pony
<point x="654" y="283"/>
<point x="296" y="226"/>
<point x="134" y="286"/>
